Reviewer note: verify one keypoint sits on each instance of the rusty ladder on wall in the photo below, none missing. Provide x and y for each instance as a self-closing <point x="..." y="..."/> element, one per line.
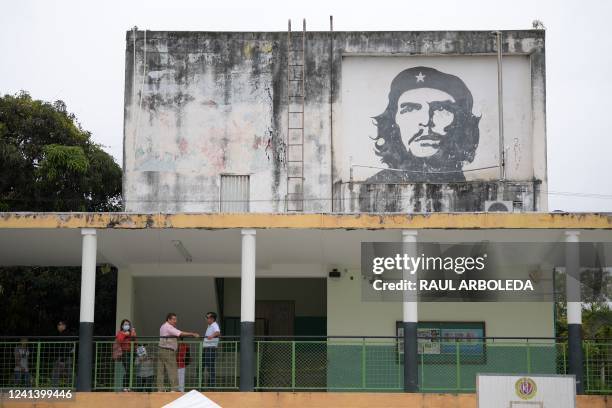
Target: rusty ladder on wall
<point x="296" y="46"/>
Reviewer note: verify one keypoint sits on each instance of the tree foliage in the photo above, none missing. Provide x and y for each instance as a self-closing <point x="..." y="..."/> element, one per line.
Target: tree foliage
<point x="596" y="286"/>
<point x="33" y="299"/>
<point x="48" y="162"/>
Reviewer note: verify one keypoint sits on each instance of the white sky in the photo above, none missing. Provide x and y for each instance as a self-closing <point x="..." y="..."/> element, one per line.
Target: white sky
<point x="75" y="50"/>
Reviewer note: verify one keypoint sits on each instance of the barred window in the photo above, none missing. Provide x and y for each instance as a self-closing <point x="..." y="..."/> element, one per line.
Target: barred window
<point x="234" y="193"/>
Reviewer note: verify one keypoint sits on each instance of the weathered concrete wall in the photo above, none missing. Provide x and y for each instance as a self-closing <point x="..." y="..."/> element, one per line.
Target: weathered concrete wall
<point x="434" y="197"/>
<point x="346" y="312"/>
<point x="444" y="221"/>
<point x="202" y="104"/>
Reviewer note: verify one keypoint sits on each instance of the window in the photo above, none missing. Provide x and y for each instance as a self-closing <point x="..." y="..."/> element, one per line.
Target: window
<point x="234" y="195"/>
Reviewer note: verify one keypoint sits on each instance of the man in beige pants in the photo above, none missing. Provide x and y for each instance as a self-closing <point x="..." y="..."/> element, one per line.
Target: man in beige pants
<point x="168" y="344"/>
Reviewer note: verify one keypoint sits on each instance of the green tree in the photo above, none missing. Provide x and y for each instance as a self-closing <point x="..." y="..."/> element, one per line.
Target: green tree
<point x="596" y="286"/>
<point x="48" y="162"/>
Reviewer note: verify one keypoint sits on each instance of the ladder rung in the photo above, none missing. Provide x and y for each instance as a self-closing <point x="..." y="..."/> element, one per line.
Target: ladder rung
<point x="296" y="65"/>
<point x="296" y="96"/>
<point x="296" y="80"/>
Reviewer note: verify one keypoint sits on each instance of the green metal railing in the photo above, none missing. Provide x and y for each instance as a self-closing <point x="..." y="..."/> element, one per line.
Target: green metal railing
<point x="370" y="364"/>
<point x="598" y="367"/>
<point x="321" y="364"/>
<point x="38" y="364"/>
<point x="139" y="369"/>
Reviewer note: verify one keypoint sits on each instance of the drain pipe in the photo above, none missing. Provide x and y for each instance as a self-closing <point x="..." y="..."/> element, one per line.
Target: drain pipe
<point x="500" y="106"/>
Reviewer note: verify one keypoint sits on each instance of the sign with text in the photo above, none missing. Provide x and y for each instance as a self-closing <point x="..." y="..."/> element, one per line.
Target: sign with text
<point x="486" y="271"/>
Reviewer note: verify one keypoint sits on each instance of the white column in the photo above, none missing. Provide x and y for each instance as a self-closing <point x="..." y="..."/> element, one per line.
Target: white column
<point x="574" y="309"/>
<point x="247" y="275"/>
<point x="88" y="275"/>
<point x="247" y="311"/>
<point x="410" y="308"/>
<point x="88" y="297"/>
<point x="410" y="318"/>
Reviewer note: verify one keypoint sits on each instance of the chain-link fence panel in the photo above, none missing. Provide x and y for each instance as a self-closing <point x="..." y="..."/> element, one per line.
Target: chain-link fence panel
<point x="38" y="364"/>
<point x="598" y="367"/>
<point x="147" y="367"/>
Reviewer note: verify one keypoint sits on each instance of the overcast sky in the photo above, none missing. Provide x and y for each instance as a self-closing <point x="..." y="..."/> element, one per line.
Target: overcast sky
<point x="75" y="50"/>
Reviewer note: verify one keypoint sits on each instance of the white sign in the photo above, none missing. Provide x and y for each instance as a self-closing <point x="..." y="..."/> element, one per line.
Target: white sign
<point x="192" y="399"/>
<point x="526" y="391"/>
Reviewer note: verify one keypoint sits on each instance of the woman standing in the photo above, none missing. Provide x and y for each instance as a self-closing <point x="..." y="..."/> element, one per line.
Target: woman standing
<point x="125" y="336"/>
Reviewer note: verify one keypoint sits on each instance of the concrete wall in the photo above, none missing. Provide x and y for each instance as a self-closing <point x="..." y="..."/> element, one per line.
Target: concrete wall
<point x="292" y="399"/>
<point x="309" y="294"/>
<point x="366" y="83"/>
<point x="349" y="315"/>
<point x="202" y="104"/>
<point x="189" y="297"/>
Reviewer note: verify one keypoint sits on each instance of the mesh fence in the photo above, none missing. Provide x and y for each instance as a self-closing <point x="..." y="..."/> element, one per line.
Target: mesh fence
<point x="328" y="365"/>
<point x="147" y="367"/>
<point x="598" y="362"/>
<point x="38" y="364"/>
<point x="366" y="364"/>
<point x="452" y="366"/>
<point x="444" y="366"/>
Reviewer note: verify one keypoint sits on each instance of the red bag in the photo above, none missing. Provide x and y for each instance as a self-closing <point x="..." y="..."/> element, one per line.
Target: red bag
<point x="117" y="351"/>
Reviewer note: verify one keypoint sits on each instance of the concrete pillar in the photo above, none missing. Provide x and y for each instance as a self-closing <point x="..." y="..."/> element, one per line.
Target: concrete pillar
<point x="247" y="311"/>
<point x="125" y="296"/>
<point x="86" y="321"/>
<point x="410" y="320"/>
<point x="574" y="308"/>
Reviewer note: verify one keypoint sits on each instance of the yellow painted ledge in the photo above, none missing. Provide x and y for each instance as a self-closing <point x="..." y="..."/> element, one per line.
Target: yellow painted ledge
<point x="289" y="400"/>
<point x="308" y="221"/>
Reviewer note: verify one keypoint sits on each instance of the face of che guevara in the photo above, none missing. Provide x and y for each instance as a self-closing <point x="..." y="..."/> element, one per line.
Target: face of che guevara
<point x="422" y="117"/>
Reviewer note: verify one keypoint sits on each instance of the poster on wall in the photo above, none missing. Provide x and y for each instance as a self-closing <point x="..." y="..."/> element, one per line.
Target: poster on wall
<point x="440" y="340"/>
<point x="428" y="340"/>
<point x="469" y="340"/>
<point x="432" y="119"/>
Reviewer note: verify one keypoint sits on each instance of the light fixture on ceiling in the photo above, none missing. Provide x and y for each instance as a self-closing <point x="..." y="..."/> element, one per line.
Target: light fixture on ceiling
<point x="182" y="250"/>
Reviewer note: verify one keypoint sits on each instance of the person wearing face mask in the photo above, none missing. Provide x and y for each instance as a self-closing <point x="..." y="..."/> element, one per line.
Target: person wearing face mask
<point x="125" y="336"/>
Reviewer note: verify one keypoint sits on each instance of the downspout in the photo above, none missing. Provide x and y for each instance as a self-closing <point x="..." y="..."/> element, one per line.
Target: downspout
<point x="331" y="109"/>
<point x="500" y="107"/>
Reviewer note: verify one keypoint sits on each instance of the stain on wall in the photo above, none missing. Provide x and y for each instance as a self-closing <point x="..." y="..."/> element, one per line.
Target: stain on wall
<point x="202" y="104"/>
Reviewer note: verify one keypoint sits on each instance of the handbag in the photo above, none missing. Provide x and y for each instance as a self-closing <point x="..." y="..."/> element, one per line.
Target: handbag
<point x="117" y="350"/>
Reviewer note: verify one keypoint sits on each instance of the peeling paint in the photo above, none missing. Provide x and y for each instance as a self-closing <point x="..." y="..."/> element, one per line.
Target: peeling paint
<point x="213" y="103"/>
<point x="583" y="221"/>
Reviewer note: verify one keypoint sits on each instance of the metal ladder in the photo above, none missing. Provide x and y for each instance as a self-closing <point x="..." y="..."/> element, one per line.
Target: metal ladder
<point x="296" y="45"/>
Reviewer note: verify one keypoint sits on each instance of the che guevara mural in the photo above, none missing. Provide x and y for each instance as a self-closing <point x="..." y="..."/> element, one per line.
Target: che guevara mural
<point x="427" y="131"/>
<point x="432" y="119"/>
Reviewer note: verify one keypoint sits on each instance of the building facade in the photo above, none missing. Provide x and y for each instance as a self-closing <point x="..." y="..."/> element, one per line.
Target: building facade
<point x="257" y="163"/>
<point x="327" y="122"/>
<point x="311" y="121"/>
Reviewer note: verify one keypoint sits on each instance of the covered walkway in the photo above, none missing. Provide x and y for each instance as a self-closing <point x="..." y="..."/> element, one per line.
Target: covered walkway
<point x="266" y="246"/>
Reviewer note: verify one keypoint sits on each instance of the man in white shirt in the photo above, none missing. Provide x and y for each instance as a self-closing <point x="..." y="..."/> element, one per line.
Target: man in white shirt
<point x="211" y="341"/>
